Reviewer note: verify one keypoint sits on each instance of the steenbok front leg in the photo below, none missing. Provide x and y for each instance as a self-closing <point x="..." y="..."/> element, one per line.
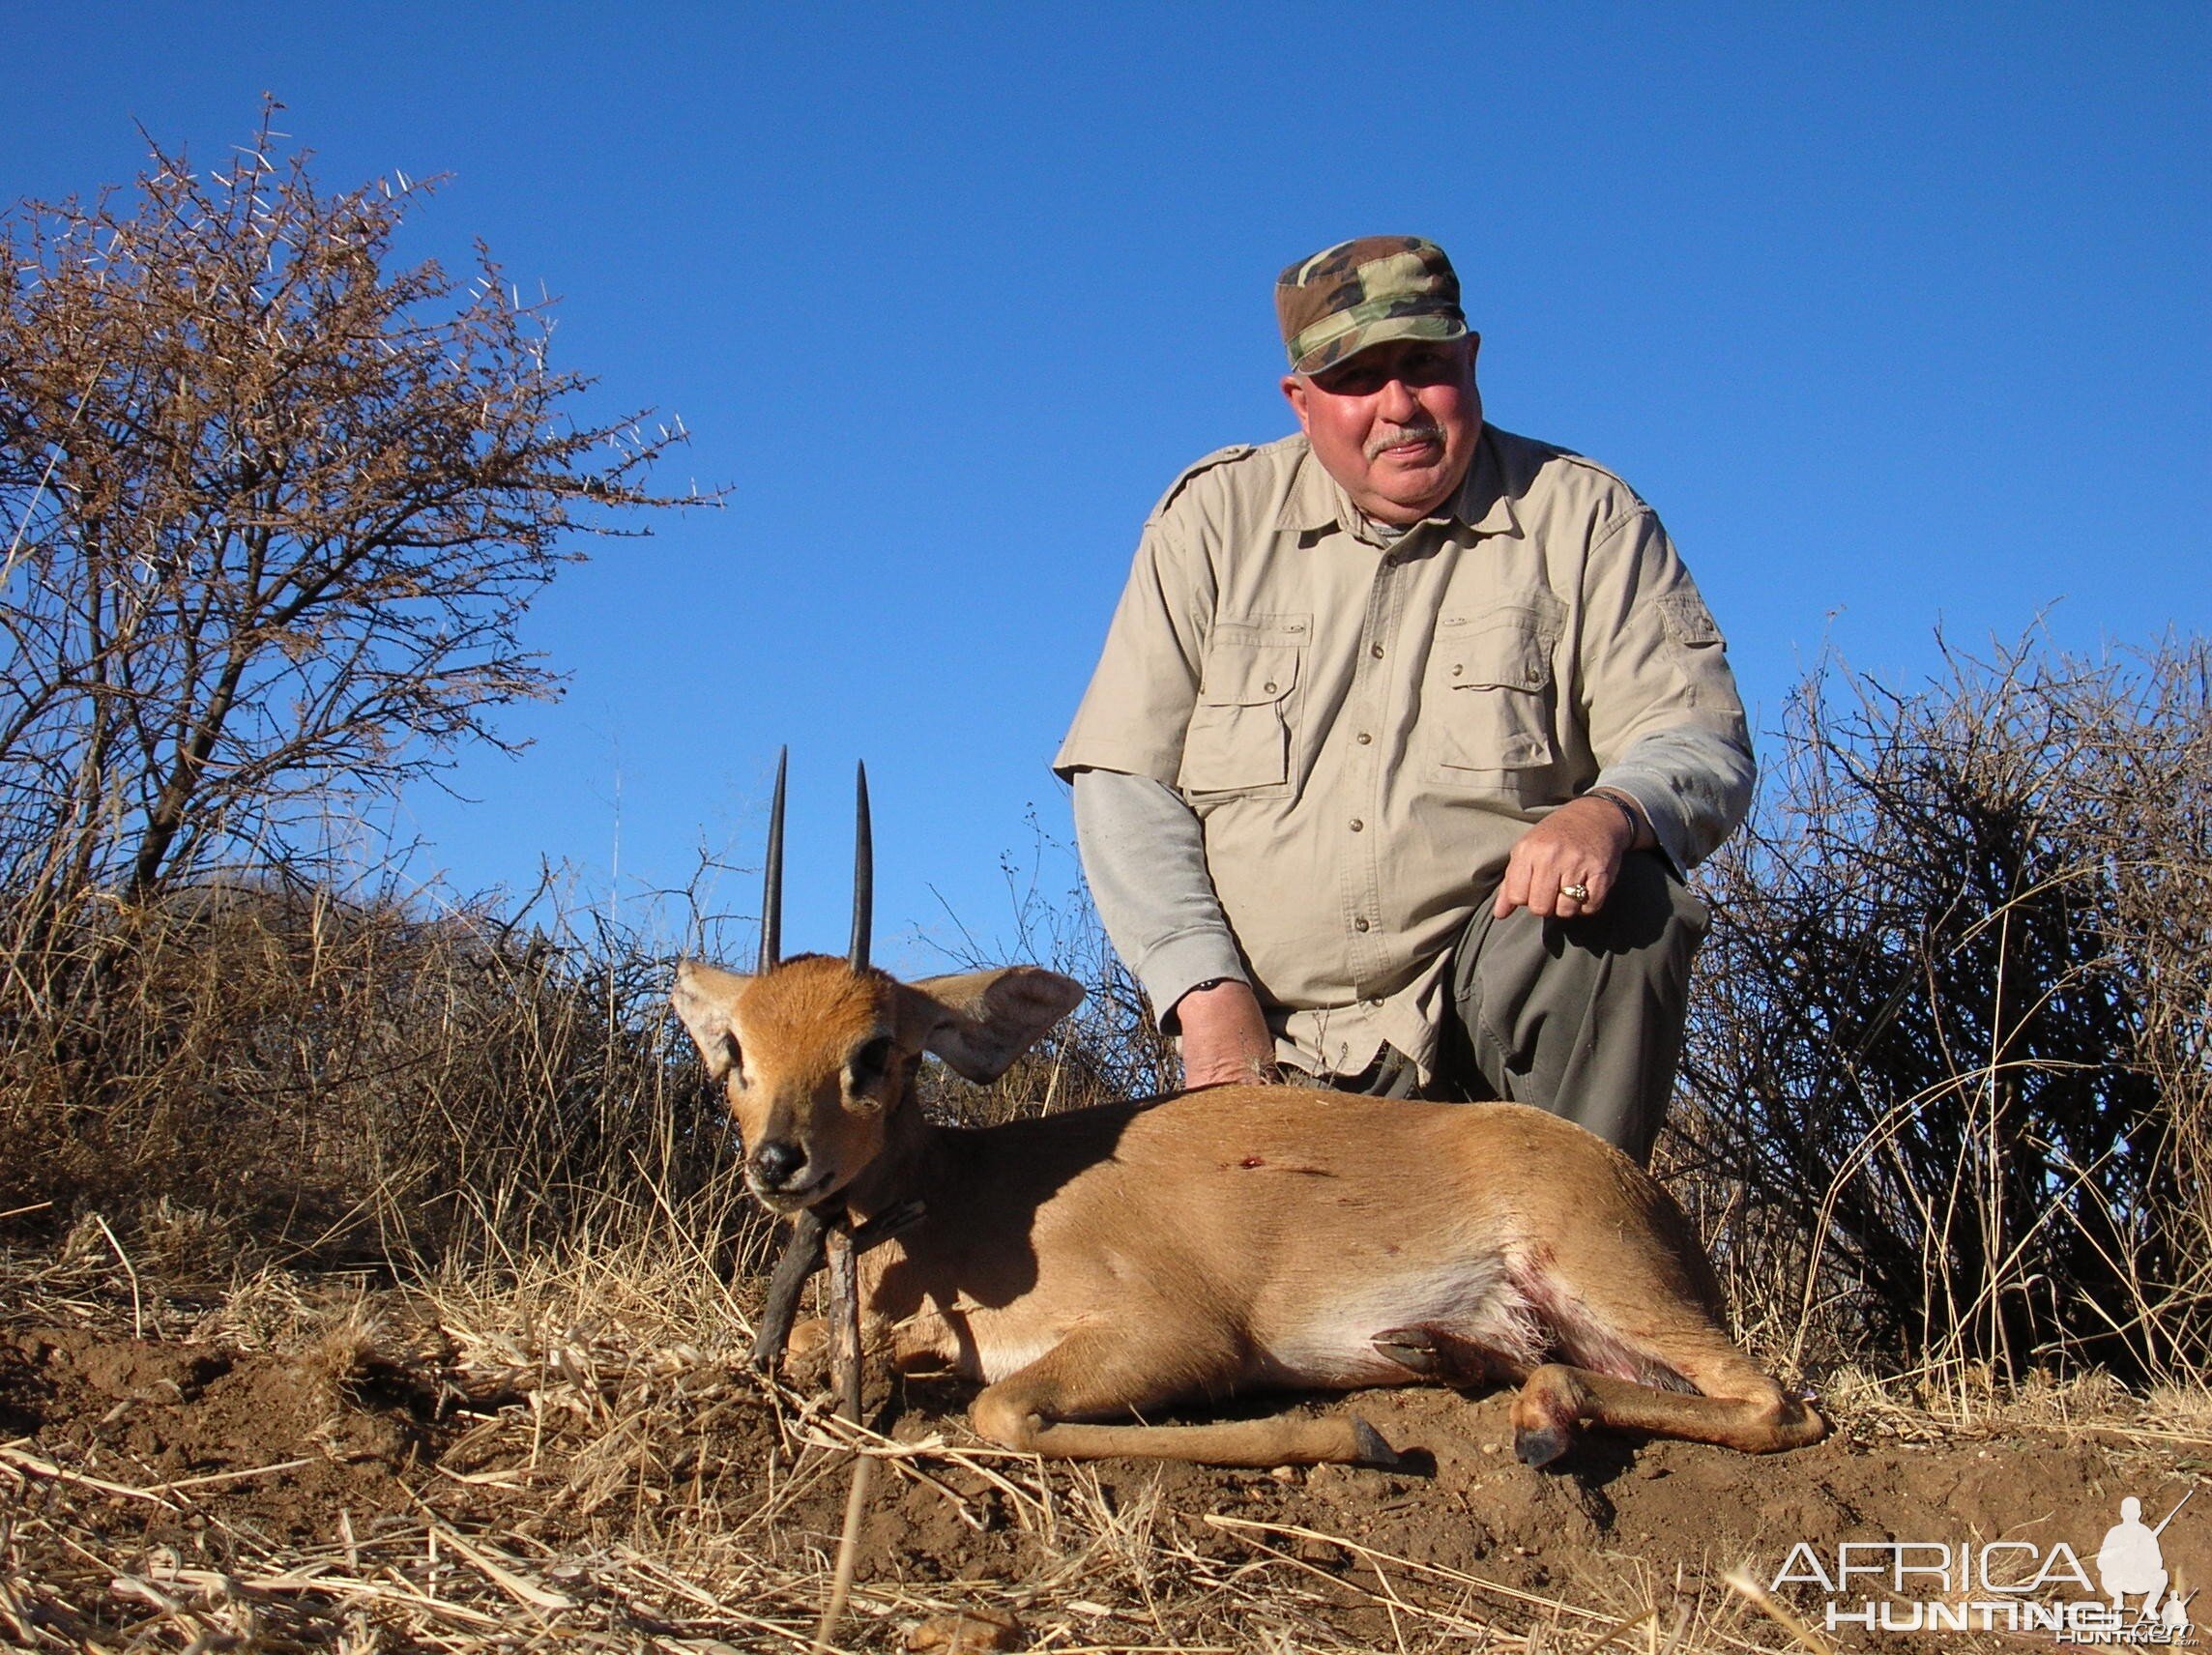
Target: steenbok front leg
<point x="1096" y="1374"/>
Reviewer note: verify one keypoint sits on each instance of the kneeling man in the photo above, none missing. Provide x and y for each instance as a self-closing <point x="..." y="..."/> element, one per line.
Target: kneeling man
<point x="1404" y="730"/>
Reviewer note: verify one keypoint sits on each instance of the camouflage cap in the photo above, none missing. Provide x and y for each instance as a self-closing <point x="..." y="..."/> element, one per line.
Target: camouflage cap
<point x="1366" y="292"/>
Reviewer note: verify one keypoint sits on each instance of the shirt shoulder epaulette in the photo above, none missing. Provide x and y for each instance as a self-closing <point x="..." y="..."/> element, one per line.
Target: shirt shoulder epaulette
<point x="1219" y="457"/>
<point x="1532" y="456"/>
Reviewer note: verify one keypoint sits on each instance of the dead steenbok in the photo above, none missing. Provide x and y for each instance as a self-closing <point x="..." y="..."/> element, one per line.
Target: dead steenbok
<point x="1119" y="1260"/>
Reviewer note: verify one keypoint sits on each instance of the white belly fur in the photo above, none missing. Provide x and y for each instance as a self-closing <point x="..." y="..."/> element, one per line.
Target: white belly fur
<point x="1479" y="1304"/>
<point x="1331" y="1344"/>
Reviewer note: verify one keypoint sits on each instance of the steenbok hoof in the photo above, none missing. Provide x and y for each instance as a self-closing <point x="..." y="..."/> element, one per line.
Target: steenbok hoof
<point x="1374" y="1452"/>
<point x="1539" y="1447"/>
<point x="1413" y="1348"/>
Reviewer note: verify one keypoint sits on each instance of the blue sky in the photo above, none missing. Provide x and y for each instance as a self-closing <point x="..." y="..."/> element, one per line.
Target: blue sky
<point x="1897" y="313"/>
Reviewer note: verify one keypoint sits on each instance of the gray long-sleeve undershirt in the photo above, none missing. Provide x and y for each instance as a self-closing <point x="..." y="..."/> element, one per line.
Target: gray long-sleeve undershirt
<point x="1144" y="852"/>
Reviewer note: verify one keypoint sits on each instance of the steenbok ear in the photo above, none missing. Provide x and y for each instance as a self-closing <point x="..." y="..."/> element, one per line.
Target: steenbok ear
<point x="703" y="997"/>
<point x="980" y="1022"/>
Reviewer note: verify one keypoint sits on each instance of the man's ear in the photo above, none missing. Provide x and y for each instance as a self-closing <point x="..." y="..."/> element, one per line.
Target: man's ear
<point x="981" y="1022"/>
<point x="1295" y="393"/>
<point x="704" y="997"/>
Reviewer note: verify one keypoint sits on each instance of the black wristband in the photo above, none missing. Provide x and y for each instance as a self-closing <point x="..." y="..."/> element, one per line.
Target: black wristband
<point x="1635" y="822"/>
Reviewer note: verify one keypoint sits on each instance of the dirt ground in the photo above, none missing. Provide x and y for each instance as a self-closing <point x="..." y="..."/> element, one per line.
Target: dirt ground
<point x="396" y="1484"/>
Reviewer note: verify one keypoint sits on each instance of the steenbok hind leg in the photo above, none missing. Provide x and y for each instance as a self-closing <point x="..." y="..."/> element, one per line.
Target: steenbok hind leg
<point x="1741" y="1408"/>
<point x="1095" y="1373"/>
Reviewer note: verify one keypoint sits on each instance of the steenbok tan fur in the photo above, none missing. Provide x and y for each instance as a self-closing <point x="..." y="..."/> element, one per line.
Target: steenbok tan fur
<point x="1093" y="1265"/>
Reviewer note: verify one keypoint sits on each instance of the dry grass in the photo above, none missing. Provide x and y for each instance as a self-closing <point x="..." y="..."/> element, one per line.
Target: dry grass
<point x="246" y="1074"/>
<point x="574" y="1454"/>
<point x="601" y="1479"/>
<point x="1948" y="1085"/>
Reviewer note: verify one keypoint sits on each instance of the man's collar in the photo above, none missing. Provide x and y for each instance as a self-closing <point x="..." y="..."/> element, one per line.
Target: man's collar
<point x="1482" y="503"/>
<point x="1317" y="501"/>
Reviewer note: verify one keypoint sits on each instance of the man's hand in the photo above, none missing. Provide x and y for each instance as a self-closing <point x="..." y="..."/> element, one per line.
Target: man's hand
<point x="1225" y="1038"/>
<point x="1579" y="844"/>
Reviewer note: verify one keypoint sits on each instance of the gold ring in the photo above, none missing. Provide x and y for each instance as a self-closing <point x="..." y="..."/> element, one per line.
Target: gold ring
<point x="1580" y="892"/>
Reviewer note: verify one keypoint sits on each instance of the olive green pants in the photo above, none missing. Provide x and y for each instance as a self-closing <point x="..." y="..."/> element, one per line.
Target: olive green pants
<point x="1582" y="1017"/>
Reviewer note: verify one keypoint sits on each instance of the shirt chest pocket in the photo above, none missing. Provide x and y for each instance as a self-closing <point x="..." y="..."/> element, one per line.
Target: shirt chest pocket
<point x="1491" y="694"/>
<point x="1240" y="734"/>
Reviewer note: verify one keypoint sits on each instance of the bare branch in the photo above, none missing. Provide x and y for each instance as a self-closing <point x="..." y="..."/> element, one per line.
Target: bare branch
<point x="277" y="509"/>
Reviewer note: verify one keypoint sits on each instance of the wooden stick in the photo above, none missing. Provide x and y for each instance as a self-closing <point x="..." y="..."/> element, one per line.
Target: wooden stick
<point x="845" y="1364"/>
<point x="845" y="1318"/>
<point x="803" y="1255"/>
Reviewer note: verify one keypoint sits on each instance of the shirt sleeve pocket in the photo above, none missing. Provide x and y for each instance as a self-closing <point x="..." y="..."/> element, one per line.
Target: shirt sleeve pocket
<point x="1696" y="648"/>
<point x="1492" y="678"/>
<point x="1240" y="736"/>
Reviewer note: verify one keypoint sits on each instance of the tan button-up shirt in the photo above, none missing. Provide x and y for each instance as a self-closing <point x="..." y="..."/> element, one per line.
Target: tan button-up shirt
<point x="1364" y="726"/>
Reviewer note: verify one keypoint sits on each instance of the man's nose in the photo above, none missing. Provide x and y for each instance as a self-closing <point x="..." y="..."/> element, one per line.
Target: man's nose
<point x="1396" y="402"/>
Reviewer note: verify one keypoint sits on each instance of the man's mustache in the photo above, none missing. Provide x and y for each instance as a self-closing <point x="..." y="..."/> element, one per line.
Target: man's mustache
<point x="1398" y="436"/>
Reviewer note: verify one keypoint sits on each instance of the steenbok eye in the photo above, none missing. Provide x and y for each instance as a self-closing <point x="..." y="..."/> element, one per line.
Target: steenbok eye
<point x="869" y="1062"/>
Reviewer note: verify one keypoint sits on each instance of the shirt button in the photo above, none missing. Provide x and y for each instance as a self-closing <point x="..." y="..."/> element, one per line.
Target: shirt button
<point x="1375" y="650"/>
<point x="1358" y="825"/>
<point x="1359" y="924"/>
<point x="1457" y="669"/>
<point x="1363" y="738"/>
<point x="1267" y="689"/>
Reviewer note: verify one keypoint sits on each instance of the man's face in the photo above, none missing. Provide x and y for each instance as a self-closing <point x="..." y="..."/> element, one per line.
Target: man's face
<point x="1395" y="424"/>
